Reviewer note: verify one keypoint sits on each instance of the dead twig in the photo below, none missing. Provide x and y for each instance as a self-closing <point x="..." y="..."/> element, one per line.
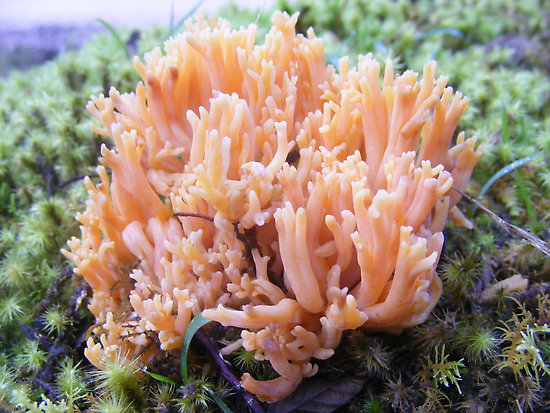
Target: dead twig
<point x="250" y="400"/>
<point x="509" y="228"/>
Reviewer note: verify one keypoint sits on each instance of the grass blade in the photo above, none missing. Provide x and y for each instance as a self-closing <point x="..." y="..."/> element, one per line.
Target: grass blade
<point x="519" y="178"/>
<point x="196" y="323"/>
<point x="171" y="26"/>
<point x="508" y="168"/>
<point x="223" y="407"/>
<point x="514" y="165"/>
<point x="115" y="35"/>
<point x="161" y="378"/>
<point x="260" y="12"/>
<point x="525" y="197"/>
<point x="176" y="27"/>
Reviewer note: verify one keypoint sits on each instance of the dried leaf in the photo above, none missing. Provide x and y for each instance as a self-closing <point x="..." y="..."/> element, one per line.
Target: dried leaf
<point x="318" y="395"/>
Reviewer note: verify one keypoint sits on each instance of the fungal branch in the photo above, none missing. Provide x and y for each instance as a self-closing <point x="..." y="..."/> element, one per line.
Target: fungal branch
<point x="265" y="190"/>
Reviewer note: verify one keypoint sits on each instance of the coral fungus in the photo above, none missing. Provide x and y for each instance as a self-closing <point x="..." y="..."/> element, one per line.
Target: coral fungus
<point x="271" y="192"/>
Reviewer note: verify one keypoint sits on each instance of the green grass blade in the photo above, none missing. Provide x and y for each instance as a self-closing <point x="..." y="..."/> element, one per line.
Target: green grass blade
<point x="162" y="378"/>
<point x="519" y="178"/>
<point x="196" y="323"/>
<point x="223" y="407"/>
<point x="508" y="168"/>
<point x="176" y="27"/>
<point x="115" y="35"/>
<point x="171" y="25"/>
<point x="512" y="166"/>
<point x="260" y="12"/>
<point x="525" y="197"/>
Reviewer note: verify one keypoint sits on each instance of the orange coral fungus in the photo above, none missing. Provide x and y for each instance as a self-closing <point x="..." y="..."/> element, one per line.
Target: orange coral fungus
<point x="271" y="192"/>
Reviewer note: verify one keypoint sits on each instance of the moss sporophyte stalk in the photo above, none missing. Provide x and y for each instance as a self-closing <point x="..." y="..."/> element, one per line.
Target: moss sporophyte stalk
<point x="270" y="201"/>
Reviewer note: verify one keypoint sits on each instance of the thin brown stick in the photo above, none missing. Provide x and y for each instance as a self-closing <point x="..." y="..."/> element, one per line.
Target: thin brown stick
<point x="509" y="228"/>
<point x="193" y="215"/>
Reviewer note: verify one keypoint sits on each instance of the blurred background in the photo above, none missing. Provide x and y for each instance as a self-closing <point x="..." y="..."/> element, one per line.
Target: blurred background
<point x="34" y="31"/>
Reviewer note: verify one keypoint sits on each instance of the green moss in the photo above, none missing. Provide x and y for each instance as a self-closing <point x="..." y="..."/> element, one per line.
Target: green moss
<point x="54" y="320"/>
<point x="122" y="380"/>
<point x="45" y="145"/>
<point x="479" y="343"/>
<point x="70" y="381"/>
<point x="30" y="357"/>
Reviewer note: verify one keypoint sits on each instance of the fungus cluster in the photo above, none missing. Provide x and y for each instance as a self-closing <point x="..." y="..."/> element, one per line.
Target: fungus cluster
<point x="270" y="192"/>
